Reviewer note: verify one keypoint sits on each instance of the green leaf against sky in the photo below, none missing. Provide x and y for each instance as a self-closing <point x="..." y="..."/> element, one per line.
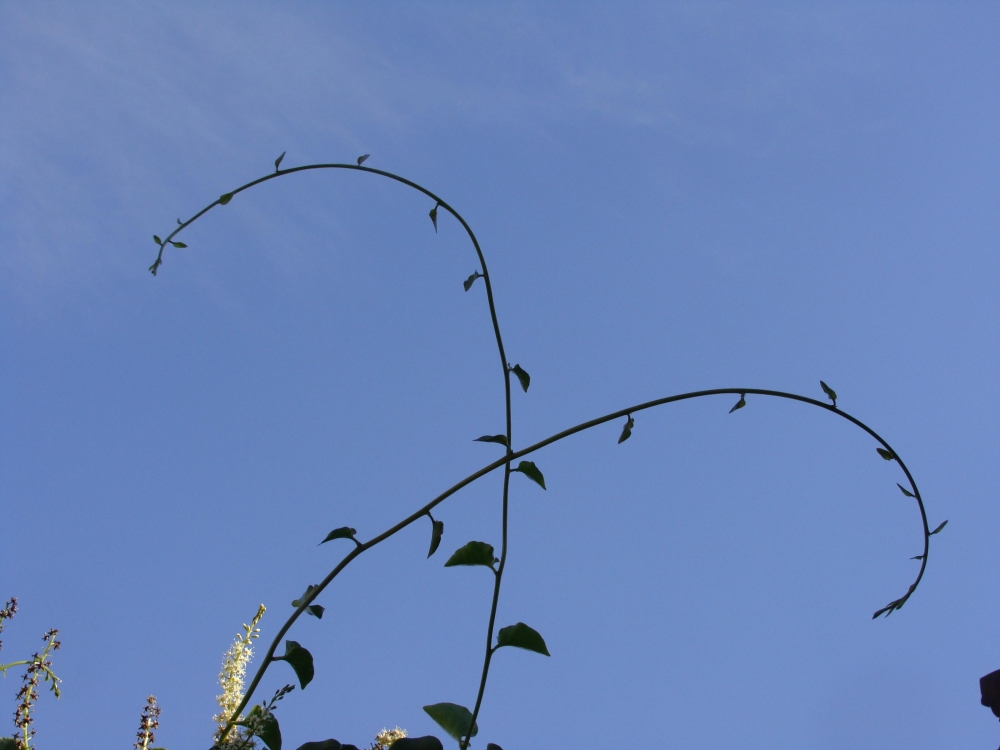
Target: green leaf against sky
<point x="531" y="471"/>
<point x="453" y="718"/>
<point x="344" y="532"/>
<point x="473" y="553"/>
<point x="301" y="661"/>
<point x="437" y="529"/>
<point x="522" y="636"/>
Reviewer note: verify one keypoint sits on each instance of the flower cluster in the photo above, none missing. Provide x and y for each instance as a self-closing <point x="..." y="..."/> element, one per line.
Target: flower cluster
<point x="385" y="738"/>
<point x="147" y="724"/>
<point x="234" y="669"/>
<point x="39" y="665"/>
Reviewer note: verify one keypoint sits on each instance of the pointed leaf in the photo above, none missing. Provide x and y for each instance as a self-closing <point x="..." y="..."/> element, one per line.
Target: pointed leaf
<point x="904" y="490"/>
<point x="362" y="159"/>
<point x="917" y="557"/>
<point x="178" y="244"/>
<point x="315" y="610"/>
<point x="324" y="745"/>
<point x="344" y="532"/>
<point x="502" y="439"/>
<point x="434" y="218"/>
<point x="626" y="431"/>
<point x="301" y="661"/>
<point x="531" y="471"/>
<point x="887" y="455"/>
<point x="471" y="280"/>
<point x="436" y="531"/>
<point x="739" y="404"/>
<point x="832" y="394"/>
<point x="940" y="526"/>
<point x="473" y="553"/>
<point x="521" y="636"/>
<point x="298" y="602"/>
<point x="454" y="719"/>
<point x="268" y="729"/>
<point x="522" y="376"/>
<point x="157" y="240"/>
<point x="418" y="743"/>
<point x="224" y="199"/>
<point x="277" y="162"/>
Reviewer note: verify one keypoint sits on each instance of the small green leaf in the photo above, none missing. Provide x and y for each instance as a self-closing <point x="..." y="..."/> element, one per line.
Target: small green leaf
<point x="437" y="529"/>
<point x="156" y="264"/>
<point x="224" y="199"/>
<point x="157" y="240"/>
<point x="831" y="394"/>
<point x="269" y="730"/>
<point x="521" y="636"/>
<point x="454" y="719"/>
<point x="298" y="602"/>
<point x="740" y="404"/>
<point x="362" y="159"/>
<point x="344" y="532"/>
<point x="887" y="455"/>
<point x="277" y="162"/>
<point x="471" y="280"/>
<point x="178" y="244"/>
<point x="522" y="376"/>
<point x="301" y="661"/>
<point x="418" y="743"/>
<point x="473" y="553"/>
<point x="434" y="219"/>
<point x="502" y="439"/>
<point x="626" y="431"/>
<point x="531" y="471"/>
<point x="315" y="610"/>
<point x="940" y="526"/>
<point x="904" y="490"/>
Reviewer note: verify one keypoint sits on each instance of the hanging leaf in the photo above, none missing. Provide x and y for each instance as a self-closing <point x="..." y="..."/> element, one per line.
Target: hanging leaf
<point x="940" y="526"/>
<point x="419" y="743"/>
<point x="887" y="455"/>
<point x="437" y="529"/>
<point x="434" y="219"/>
<point x="277" y="162"/>
<point x="740" y="404"/>
<point x="626" y="431"/>
<point x="471" y="280"/>
<point x="522" y="376"/>
<point x="324" y="745"/>
<point x="473" y="553"/>
<point x="362" y="159"/>
<point x="178" y="244"/>
<point x="301" y="661"/>
<point x="531" y="471"/>
<point x="266" y="728"/>
<point x="832" y="394"/>
<point x="521" y="636"/>
<point x="344" y="532"/>
<point x="454" y="719"/>
<point x="904" y="490"/>
<point x="315" y="610"/>
<point x="157" y="240"/>
<point x="298" y="602"/>
<point x="502" y="439"/>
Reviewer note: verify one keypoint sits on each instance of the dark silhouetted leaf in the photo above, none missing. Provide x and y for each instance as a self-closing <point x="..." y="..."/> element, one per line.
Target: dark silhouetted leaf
<point x="626" y="431"/>
<point x="301" y="661"/>
<point x="502" y="439"/>
<point x="434" y="219"/>
<point x="940" y="526"/>
<point x="471" y="280"/>
<point x="298" y="602"/>
<point x="917" y="557"/>
<point x="178" y="244"/>
<point x="418" y="743"/>
<point x="315" y="610"/>
<point x="473" y="553"/>
<point x="362" y="159"/>
<point x="454" y="719"/>
<point x="831" y="394"/>
<point x="268" y="730"/>
<point x="157" y="240"/>
<point x="437" y="529"/>
<point x="324" y="745"/>
<point x="522" y="376"/>
<point x="521" y="636"/>
<point x="277" y="162"/>
<point x="887" y="455"/>
<point x="739" y="404"/>
<point x="224" y="199"/>
<point x="531" y="471"/>
<point x="904" y="490"/>
<point x="344" y="532"/>
<point x="493" y="746"/>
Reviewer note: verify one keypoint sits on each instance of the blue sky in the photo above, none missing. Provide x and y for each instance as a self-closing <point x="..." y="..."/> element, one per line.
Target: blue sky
<point x="670" y="197"/>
